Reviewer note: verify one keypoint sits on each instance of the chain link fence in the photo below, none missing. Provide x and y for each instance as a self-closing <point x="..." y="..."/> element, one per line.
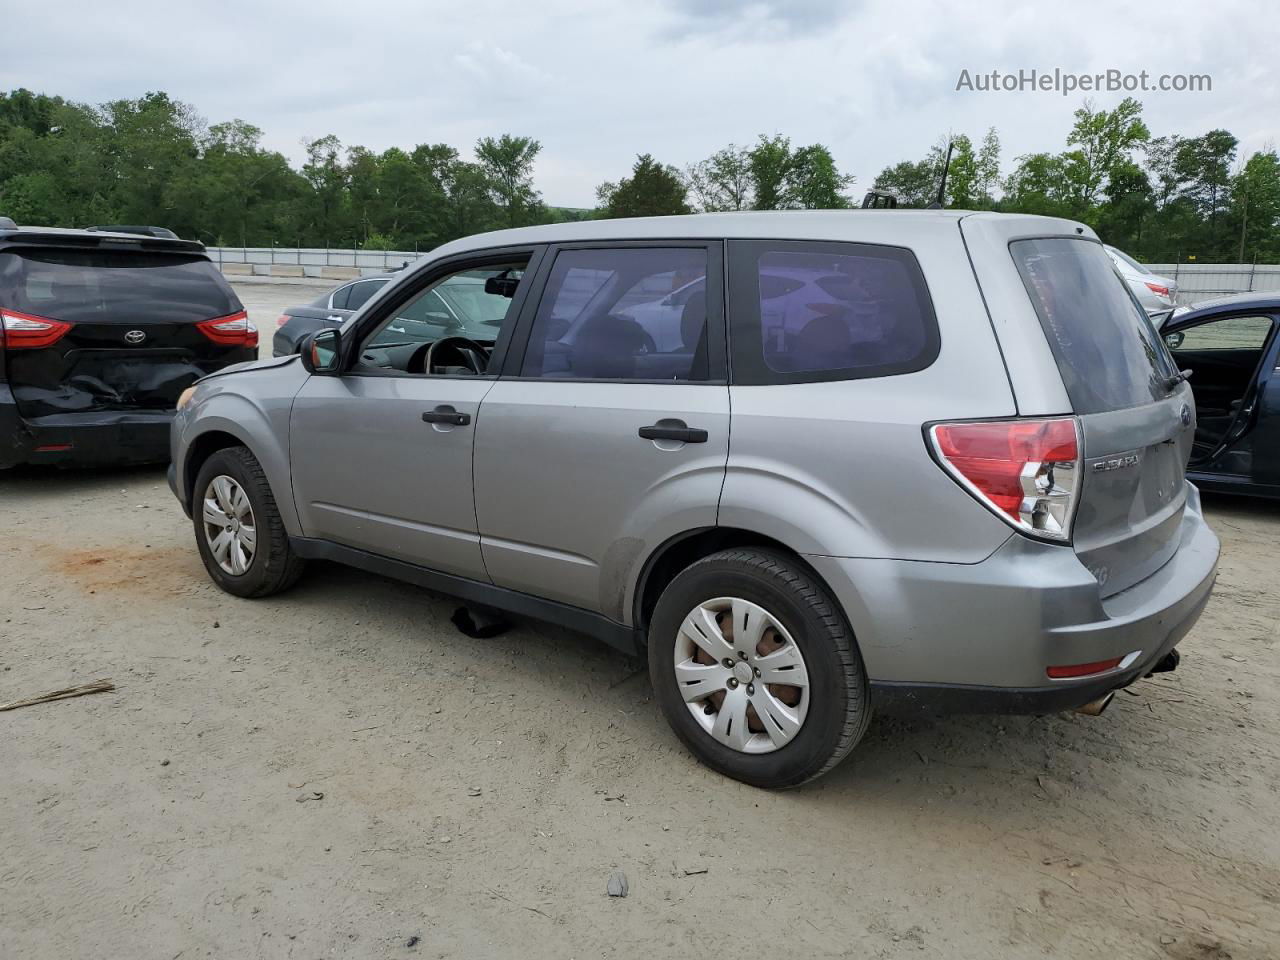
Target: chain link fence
<point x="1205" y="281"/>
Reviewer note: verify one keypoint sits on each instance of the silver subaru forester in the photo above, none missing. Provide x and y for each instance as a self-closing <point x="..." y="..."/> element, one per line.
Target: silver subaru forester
<point x="813" y="463"/>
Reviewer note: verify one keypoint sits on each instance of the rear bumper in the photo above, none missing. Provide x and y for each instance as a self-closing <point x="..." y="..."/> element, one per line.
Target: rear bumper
<point x="82" y="439"/>
<point x="979" y="637"/>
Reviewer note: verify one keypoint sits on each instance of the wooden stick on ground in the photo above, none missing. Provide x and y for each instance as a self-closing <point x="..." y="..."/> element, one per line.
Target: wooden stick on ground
<point x="98" y="686"/>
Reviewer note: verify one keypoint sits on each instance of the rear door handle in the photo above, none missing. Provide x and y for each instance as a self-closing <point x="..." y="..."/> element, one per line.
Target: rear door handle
<point x="445" y="413"/>
<point x="673" y="430"/>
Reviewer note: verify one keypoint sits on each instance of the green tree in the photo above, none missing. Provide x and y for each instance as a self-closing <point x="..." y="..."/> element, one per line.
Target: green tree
<point x="1130" y="203"/>
<point x="652" y="190"/>
<point x="987" y="172"/>
<point x="915" y="183"/>
<point x="1104" y="139"/>
<point x="329" y="219"/>
<point x="814" y="183"/>
<point x="770" y="161"/>
<point x="962" y="175"/>
<point x="508" y="163"/>
<point x="723" y="181"/>
<point x="1203" y="164"/>
<point x="1254" y="214"/>
<point x="1039" y="185"/>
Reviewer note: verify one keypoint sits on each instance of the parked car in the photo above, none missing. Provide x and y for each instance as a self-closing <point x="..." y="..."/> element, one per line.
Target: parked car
<point x="323" y="313"/>
<point x="1232" y="353"/>
<point x="99" y="334"/>
<point x="1156" y="294"/>
<point x="955" y="480"/>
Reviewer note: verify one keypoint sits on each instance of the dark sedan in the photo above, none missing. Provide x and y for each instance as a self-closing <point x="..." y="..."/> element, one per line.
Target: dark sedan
<point x="329" y="310"/>
<point x="1231" y="349"/>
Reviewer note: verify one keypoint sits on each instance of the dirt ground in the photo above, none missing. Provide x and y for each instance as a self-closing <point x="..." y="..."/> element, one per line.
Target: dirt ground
<point x="337" y="772"/>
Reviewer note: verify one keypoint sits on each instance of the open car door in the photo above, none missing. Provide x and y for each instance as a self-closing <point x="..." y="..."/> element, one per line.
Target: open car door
<point x="1231" y="358"/>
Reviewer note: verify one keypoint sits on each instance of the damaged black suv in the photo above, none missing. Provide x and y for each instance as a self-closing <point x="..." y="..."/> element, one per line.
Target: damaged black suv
<point x="99" y="334"/>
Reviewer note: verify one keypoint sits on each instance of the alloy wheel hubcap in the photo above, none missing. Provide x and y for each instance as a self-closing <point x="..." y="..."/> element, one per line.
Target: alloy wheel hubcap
<point x="741" y="675"/>
<point x="229" y="526"/>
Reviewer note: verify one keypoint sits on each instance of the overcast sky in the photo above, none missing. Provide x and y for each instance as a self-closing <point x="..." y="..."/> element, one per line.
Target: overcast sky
<point x="598" y="82"/>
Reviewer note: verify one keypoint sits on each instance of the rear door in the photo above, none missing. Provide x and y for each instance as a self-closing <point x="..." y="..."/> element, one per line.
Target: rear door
<point x="101" y="329"/>
<point x="604" y="436"/>
<point x="1106" y="364"/>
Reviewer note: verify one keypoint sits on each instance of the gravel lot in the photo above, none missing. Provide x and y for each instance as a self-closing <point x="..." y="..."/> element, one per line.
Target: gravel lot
<point x="337" y="772"/>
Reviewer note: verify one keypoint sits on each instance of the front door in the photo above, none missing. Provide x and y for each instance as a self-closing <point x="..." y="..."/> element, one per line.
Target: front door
<point x="609" y="431"/>
<point x="1225" y="355"/>
<point x="381" y="455"/>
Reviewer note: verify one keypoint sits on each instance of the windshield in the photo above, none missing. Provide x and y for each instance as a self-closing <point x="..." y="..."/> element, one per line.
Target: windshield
<point x="84" y="286"/>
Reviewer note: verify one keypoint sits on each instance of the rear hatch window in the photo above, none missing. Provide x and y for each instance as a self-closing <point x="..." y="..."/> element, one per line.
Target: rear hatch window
<point x="1134" y="419"/>
<point x="97" y="286"/>
<point x="1106" y="349"/>
<point x="132" y="340"/>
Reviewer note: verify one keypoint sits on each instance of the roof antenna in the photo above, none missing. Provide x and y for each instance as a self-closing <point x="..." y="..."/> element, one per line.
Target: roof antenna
<point x="942" y="187"/>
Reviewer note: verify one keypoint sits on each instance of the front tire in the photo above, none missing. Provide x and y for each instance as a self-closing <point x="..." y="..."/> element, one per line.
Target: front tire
<point x="239" y="533"/>
<point x="755" y="669"/>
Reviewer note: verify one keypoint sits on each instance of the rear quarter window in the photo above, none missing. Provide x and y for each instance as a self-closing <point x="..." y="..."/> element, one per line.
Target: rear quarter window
<point x="1106" y="349"/>
<point x="804" y="312"/>
<point x="97" y="285"/>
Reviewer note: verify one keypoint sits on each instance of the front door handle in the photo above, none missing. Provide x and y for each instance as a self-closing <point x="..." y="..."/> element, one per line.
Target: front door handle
<point x="445" y="413"/>
<point x="673" y="430"/>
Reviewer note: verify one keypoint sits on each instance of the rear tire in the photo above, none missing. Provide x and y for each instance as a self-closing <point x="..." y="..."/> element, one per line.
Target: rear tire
<point x="832" y="710"/>
<point x="239" y="533"/>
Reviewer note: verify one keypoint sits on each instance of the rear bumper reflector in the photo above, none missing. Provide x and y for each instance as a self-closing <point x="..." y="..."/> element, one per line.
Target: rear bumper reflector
<point x="1073" y="670"/>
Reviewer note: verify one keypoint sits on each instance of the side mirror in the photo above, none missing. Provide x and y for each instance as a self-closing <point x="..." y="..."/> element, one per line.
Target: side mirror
<point x="321" y="352"/>
<point x="1174" y="340"/>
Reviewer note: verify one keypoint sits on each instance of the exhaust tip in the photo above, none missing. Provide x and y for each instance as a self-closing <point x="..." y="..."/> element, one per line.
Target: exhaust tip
<point x="1095" y="707"/>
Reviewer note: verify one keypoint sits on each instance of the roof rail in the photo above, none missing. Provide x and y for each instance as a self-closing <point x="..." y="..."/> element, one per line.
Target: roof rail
<point x="160" y="233"/>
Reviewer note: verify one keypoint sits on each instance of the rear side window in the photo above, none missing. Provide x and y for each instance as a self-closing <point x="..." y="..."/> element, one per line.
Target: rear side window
<point x="1106" y="349"/>
<point x="88" y="285"/>
<point x="803" y="312"/>
<point x="359" y="293"/>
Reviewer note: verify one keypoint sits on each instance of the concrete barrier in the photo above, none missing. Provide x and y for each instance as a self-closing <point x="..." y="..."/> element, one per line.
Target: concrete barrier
<point x="238" y="269"/>
<point x="339" y="273"/>
<point x="284" y="270"/>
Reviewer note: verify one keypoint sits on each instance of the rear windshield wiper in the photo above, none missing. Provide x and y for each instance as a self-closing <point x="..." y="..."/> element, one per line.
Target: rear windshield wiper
<point x="1182" y="376"/>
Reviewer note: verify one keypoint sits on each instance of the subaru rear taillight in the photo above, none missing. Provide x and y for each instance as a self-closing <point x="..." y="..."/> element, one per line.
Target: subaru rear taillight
<point x="234" y="330"/>
<point x="1027" y="471"/>
<point x="1158" y="289"/>
<point x="23" y="331"/>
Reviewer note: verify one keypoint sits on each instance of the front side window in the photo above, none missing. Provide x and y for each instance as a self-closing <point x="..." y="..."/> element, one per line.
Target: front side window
<point x="472" y="305"/>
<point x="1229" y="334"/>
<point x="630" y="313"/>
<point x="827" y="311"/>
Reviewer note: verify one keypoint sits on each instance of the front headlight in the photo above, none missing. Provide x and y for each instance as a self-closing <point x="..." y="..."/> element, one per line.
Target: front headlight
<point x="185" y="397"/>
